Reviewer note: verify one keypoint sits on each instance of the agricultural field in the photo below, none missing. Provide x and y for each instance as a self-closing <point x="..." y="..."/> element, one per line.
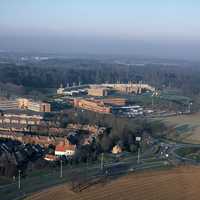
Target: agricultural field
<point x="177" y="184"/>
<point x="184" y="128"/>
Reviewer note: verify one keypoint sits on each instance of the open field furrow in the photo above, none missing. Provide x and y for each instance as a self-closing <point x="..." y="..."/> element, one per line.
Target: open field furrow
<point x="177" y="184"/>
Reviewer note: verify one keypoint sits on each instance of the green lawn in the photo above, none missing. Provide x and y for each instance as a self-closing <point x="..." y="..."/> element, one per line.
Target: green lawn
<point x="5" y="181"/>
<point x="44" y="178"/>
<point x="190" y="152"/>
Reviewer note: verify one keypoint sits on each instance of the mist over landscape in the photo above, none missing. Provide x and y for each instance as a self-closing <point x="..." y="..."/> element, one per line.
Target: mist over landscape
<point x="168" y="29"/>
<point x="72" y="45"/>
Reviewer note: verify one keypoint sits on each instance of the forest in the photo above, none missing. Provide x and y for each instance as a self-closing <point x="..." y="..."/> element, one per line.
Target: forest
<point x="52" y="73"/>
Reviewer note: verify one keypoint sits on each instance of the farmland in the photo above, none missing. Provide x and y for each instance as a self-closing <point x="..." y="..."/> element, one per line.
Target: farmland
<point x="177" y="183"/>
<point x="184" y="128"/>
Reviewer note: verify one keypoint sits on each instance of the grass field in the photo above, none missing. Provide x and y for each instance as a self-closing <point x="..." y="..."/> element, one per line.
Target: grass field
<point x="185" y="128"/>
<point x="41" y="179"/>
<point x="4" y="181"/>
<point x="177" y="184"/>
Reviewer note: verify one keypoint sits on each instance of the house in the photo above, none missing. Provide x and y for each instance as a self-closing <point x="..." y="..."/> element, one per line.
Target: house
<point x="65" y="149"/>
<point x="116" y="149"/>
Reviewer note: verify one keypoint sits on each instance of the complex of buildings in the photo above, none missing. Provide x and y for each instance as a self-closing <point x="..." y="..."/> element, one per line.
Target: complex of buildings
<point x="23" y="117"/>
<point x="19" y="121"/>
<point x="91" y="129"/>
<point x="22" y="103"/>
<point x="129" y="88"/>
<point x="99" y="105"/>
<point x="39" y="107"/>
<point x="101" y="90"/>
<point x="116" y="106"/>
<point x="8" y="104"/>
<point x="44" y="141"/>
<point x="72" y="91"/>
<point x="92" y="105"/>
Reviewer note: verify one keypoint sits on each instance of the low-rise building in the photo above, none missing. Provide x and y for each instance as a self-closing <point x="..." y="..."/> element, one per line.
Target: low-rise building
<point x="65" y="149"/>
<point x="91" y="129"/>
<point x="115" y="101"/>
<point x="60" y="90"/>
<point x="128" y="111"/>
<point x="39" y="106"/>
<point x="23" y="103"/>
<point x="116" y="149"/>
<point x="130" y="87"/>
<point x="92" y="105"/>
<point x="19" y="121"/>
<point x="98" y="91"/>
<point x="6" y="104"/>
<point x="72" y="91"/>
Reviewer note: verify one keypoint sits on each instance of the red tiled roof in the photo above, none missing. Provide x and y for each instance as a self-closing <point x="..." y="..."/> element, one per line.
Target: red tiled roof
<point x="66" y="147"/>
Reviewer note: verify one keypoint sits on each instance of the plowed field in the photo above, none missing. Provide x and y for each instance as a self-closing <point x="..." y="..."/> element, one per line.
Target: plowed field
<point x="176" y="184"/>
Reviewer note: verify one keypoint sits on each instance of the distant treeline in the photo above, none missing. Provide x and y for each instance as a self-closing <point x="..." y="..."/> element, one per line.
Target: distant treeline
<point x="51" y="73"/>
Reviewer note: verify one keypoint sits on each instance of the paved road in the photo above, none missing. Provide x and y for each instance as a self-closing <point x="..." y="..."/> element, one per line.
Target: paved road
<point x="168" y="150"/>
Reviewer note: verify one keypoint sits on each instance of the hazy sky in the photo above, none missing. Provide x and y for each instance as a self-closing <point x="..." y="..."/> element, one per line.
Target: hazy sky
<point x="149" y="27"/>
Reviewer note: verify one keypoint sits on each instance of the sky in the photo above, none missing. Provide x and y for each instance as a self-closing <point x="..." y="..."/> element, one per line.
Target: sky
<point x="160" y="28"/>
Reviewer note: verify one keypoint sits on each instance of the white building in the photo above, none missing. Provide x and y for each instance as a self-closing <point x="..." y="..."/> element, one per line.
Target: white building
<point x="65" y="150"/>
<point x="8" y="104"/>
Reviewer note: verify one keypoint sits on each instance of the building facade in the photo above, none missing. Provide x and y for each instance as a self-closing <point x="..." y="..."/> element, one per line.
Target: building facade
<point x="98" y="92"/>
<point x="115" y="101"/>
<point x="22" y="103"/>
<point x="19" y="122"/>
<point x="65" y="149"/>
<point x="8" y="104"/>
<point x="96" y="106"/>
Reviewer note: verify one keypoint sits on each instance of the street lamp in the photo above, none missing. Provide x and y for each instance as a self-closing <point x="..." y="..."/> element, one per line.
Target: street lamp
<point x="102" y="161"/>
<point x="19" y="179"/>
<point x="155" y="93"/>
<point x="152" y="99"/>
<point x="138" y="139"/>
<point x="189" y="107"/>
<point x="61" y="169"/>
